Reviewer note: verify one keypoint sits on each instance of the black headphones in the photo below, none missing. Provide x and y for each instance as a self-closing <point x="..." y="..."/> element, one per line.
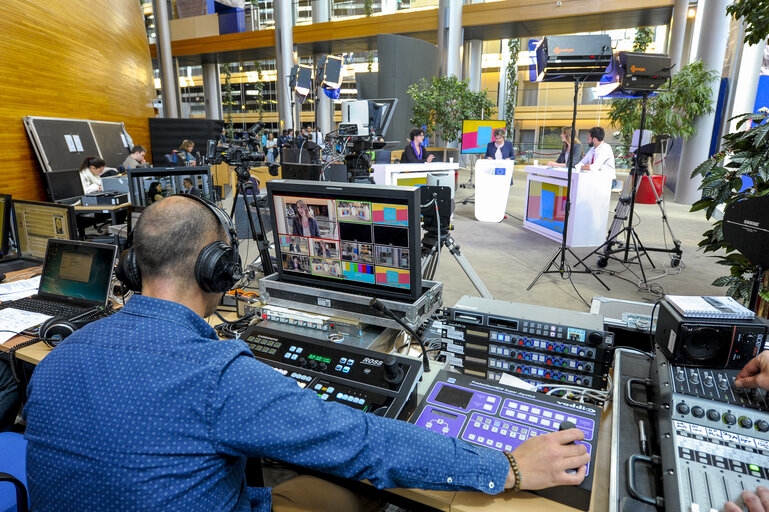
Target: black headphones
<point x="55" y="329"/>
<point x="218" y="266"/>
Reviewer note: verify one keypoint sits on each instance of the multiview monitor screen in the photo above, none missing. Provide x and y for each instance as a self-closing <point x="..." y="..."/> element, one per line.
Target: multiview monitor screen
<point x="476" y="134"/>
<point x="353" y="237"/>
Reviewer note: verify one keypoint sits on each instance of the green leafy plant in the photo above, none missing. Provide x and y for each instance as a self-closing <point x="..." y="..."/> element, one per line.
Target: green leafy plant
<point x="368" y="10"/>
<point x="511" y="92"/>
<point x="440" y="104"/>
<point x="673" y="111"/>
<point x="259" y="86"/>
<point x="745" y="153"/>
<point x="753" y="15"/>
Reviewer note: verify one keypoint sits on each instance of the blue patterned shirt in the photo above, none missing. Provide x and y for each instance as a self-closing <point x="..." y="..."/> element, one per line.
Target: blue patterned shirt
<point x="148" y="410"/>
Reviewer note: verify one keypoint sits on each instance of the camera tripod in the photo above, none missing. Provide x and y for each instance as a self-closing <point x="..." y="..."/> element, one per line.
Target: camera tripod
<point x="263" y="245"/>
<point x="437" y="236"/>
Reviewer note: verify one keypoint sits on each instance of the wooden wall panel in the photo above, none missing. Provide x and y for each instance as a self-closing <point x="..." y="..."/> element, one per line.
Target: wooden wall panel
<point x="82" y="59"/>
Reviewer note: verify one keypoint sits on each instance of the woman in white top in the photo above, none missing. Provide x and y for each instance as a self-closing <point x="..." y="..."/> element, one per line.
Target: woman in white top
<point x="90" y="174"/>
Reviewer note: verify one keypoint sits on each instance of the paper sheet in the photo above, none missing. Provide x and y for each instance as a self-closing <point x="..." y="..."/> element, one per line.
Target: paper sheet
<point x="19" y="289"/>
<point x="13" y="321"/>
<point x="515" y="382"/>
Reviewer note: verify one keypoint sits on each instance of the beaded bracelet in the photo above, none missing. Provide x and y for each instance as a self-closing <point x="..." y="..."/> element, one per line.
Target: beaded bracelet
<point x="516" y="471"/>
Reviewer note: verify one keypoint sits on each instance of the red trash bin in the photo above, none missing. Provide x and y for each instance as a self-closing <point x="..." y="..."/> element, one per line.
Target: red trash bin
<point x="645" y="195"/>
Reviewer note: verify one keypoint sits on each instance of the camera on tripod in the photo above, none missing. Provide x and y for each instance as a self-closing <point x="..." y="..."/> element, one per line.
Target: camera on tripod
<point x="239" y="154"/>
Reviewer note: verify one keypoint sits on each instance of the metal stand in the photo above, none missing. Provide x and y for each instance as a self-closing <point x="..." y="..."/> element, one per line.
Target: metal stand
<point x="758" y="277"/>
<point x="564" y="249"/>
<point x="262" y="244"/>
<point x="431" y="247"/>
<point x="624" y="212"/>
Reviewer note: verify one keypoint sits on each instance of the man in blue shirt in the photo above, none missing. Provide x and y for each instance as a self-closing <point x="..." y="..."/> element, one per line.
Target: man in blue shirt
<point x="148" y="410"/>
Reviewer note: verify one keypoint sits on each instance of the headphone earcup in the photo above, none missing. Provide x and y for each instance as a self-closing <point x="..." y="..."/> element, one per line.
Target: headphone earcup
<point x="218" y="267"/>
<point x="55" y="329"/>
<point x="127" y="271"/>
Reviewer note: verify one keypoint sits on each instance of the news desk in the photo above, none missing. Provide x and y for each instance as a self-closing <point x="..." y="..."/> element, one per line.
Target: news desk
<point x="409" y="174"/>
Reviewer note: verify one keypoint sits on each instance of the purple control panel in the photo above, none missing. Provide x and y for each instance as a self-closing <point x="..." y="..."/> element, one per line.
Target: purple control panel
<point x="498" y="417"/>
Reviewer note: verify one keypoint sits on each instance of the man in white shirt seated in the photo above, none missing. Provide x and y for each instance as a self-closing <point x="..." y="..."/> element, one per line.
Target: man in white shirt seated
<point x="600" y="157"/>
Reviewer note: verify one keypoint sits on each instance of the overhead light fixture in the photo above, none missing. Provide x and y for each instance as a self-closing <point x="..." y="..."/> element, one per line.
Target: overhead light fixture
<point x="691" y="13"/>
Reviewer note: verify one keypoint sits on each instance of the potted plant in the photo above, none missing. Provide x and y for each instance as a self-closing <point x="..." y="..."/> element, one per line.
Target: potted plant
<point x="744" y="154"/>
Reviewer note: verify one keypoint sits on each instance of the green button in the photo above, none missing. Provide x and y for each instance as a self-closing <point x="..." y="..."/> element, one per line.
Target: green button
<point x="753" y="467"/>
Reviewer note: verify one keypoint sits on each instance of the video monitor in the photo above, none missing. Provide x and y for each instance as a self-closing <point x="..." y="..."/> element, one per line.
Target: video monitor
<point x="353" y="237"/>
<point x="5" y="223"/>
<point x="476" y="134"/>
<point x="151" y="184"/>
<point x="37" y="222"/>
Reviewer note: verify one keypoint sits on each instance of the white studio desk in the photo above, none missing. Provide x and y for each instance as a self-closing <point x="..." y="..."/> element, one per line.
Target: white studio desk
<point x="410" y="174"/>
<point x="546" y="203"/>
<point x="492" y="187"/>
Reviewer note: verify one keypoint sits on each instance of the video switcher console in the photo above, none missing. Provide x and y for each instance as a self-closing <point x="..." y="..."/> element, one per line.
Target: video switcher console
<point x="382" y="384"/>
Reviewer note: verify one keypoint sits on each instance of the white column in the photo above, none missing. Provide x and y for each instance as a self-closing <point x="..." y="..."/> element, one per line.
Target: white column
<point x="212" y="90"/>
<point x="389" y="6"/>
<point x="168" y="77"/>
<point x="284" y="47"/>
<point x="454" y="38"/>
<point x="502" y="96"/>
<point x="475" y="64"/>
<point x="678" y="33"/>
<point x="713" y="25"/>
<point x="746" y="84"/>
<point x="323" y="105"/>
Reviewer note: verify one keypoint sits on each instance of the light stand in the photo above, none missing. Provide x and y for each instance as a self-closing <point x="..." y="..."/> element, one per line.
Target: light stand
<point x="262" y="244"/>
<point x="564" y="249"/>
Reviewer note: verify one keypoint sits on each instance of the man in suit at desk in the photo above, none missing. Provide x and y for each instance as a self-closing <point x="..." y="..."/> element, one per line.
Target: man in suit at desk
<point x="190" y="188"/>
<point x="499" y="148"/>
<point x="148" y="410"/>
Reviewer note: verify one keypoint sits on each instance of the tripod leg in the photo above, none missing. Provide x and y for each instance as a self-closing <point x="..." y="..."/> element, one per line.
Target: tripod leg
<point x="638" y="256"/>
<point x="546" y="268"/>
<point x="469" y="270"/>
<point x="587" y="270"/>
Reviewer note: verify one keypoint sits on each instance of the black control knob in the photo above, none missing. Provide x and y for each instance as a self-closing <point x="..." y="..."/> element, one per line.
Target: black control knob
<point x="595" y="338"/>
<point x="322" y="367"/>
<point x="393" y="373"/>
<point x="302" y="362"/>
<point x="745" y="422"/>
<point x="565" y="425"/>
<point x="682" y="408"/>
<point x="698" y="412"/>
<point x="713" y="415"/>
<point x="762" y="426"/>
<point x="312" y="364"/>
<point x="729" y="418"/>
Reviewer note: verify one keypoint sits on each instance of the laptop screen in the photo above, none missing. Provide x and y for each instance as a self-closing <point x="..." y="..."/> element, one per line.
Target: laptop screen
<point x="79" y="270"/>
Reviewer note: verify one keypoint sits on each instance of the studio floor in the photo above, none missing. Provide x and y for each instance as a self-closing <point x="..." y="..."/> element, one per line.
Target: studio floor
<point x="507" y="257"/>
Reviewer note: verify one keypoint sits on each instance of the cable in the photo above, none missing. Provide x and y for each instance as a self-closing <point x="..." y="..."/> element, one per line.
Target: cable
<point x="12" y="355"/>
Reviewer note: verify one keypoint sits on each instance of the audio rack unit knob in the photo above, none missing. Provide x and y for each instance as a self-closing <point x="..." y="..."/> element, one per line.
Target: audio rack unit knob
<point x="708" y="380"/>
<point x="694" y="377"/>
<point x="729" y="418"/>
<point x="682" y="408"/>
<point x="713" y="415"/>
<point x="762" y="426"/>
<point x="680" y="375"/>
<point x="745" y="422"/>
<point x="723" y="382"/>
<point x="595" y="338"/>
<point x="698" y="412"/>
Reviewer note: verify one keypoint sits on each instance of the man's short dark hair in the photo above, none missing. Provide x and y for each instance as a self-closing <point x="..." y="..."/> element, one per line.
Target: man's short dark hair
<point x="597" y="133"/>
<point x="137" y="149"/>
<point x="187" y="180"/>
<point x="169" y="236"/>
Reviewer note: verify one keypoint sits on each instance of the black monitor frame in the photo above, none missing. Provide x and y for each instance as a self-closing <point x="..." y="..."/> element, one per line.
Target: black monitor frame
<point x="5" y="228"/>
<point x="70" y="216"/>
<point x="354" y="192"/>
<point x="144" y="172"/>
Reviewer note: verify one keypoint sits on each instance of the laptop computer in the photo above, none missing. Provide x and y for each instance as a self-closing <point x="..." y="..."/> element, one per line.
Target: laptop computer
<point x="116" y="184"/>
<point x="75" y="280"/>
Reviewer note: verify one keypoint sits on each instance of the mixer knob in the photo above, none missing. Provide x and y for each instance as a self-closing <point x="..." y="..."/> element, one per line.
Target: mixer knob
<point x="595" y="338"/>
<point x="694" y="377"/>
<point x="762" y="426"/>
<point x="393" y="373"/>
<point x="313" y="364"/>
<point x="723" y="382"/>
<point x="745" y="422"/>
<point x="322" y="367"/>
<point x="713" y="415"/>
<point x="302" y="362"/>
<point x="680" y="374"/>
<point x="729" y="418"/>
<point x="708" y="380"/>
<point x="682" y="408"/>
<point x="698" y="412"/>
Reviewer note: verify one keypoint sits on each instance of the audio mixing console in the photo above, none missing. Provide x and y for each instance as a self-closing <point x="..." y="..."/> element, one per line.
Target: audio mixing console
<point x="486" y="413"/>
<point x="714" y="438"/>
<point x="370" y="381"/>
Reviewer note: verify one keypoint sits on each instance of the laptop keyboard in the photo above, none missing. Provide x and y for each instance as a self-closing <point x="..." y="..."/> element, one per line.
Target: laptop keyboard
<point x="45" y="307"/>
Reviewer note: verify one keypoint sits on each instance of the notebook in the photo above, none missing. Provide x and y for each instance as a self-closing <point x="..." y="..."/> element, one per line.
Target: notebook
<point x="75" y="280"/>
<point x="709" y="307"/>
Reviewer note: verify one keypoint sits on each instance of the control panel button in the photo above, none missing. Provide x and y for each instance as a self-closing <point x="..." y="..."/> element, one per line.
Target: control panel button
<point x="698" y="412"/>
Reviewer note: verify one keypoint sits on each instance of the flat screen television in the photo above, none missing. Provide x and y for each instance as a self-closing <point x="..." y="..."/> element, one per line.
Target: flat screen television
<point x="476" y="134"/>
<point x="351" y="237"/>
<point x="150" y="184"/>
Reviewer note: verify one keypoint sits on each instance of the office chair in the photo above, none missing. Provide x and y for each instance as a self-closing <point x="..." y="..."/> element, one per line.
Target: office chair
<point x="13" y="472"/>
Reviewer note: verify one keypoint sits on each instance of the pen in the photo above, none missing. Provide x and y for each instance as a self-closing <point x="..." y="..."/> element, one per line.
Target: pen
<point x="642" y="436"/>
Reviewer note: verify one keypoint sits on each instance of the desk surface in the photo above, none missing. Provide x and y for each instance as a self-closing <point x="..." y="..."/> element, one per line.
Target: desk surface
<point x="102" y="207"/>
<point x="449" y="501"/>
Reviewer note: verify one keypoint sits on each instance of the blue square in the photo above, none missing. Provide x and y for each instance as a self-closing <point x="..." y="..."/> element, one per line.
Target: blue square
<point x="499" y="171"/>
<point x="392" y="276"/>
<point x="484" y="135"/>
<point x="547" y="205"/>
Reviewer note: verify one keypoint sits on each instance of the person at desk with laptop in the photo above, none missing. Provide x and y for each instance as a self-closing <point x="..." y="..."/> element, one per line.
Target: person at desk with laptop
<point x="90" y="174"/>
<point x="172" y="412"/>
